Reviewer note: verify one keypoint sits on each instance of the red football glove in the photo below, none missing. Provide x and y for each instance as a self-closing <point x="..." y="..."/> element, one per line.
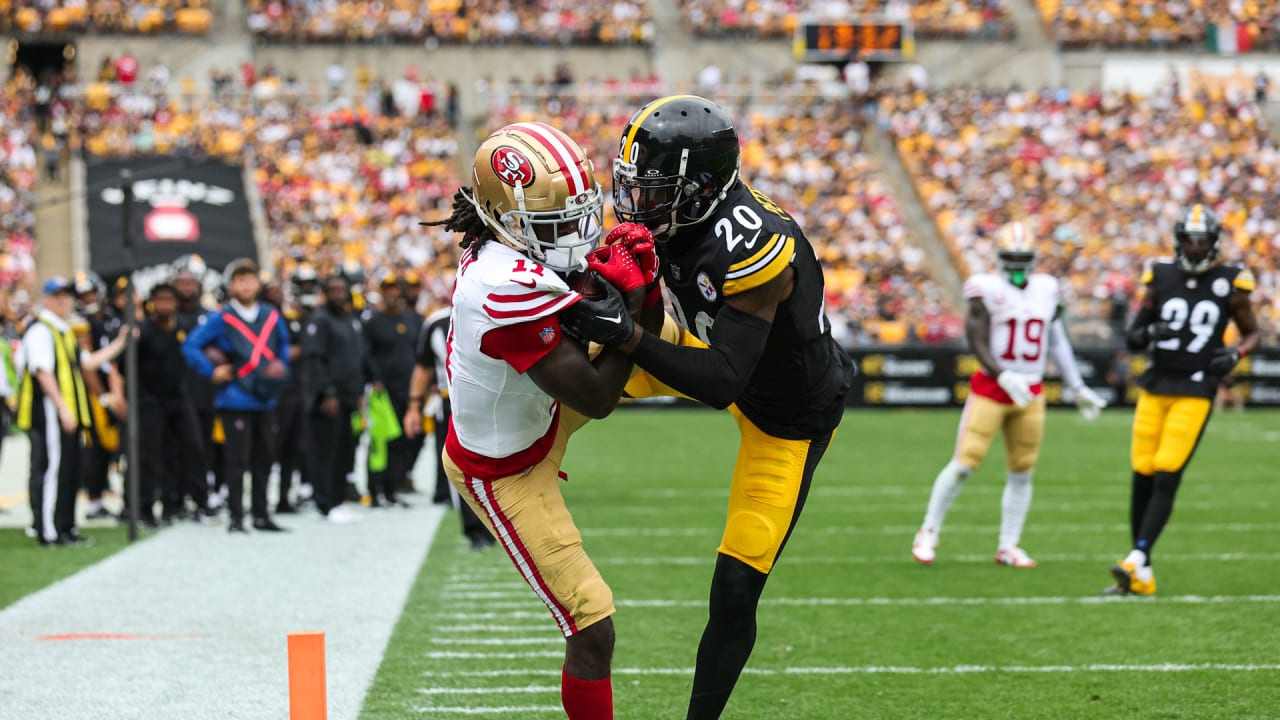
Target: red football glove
<point x="638" y="241"/>
<point x="616" y="266"/>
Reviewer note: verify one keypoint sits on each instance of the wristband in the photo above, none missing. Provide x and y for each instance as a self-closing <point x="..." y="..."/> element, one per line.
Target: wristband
<point x="416" y="399"/>
<point x="653" y="295"/>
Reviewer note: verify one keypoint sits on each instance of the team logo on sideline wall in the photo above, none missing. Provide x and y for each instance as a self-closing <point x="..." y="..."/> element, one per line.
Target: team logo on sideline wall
<point x="512" y="167"/>
<point x="706" y="288"/>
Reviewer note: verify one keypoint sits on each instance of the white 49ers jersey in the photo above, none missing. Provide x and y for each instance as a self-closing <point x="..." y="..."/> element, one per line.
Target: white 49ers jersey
<point x="504" y="320"/>
<point x="1020" y="319"/>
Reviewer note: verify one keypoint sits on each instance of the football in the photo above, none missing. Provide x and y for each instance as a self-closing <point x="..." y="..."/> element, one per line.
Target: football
<point x="216" y="355"/>
<point x="585" y="284"/>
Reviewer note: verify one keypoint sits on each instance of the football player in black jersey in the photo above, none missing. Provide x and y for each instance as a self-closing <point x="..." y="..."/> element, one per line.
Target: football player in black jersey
<point x="750" y="334"/>
<point x="1184" y="312"/>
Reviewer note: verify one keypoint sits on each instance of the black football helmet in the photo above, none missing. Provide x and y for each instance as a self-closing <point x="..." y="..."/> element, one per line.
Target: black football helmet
<point x="1195" y="239"/>
<point x="678" y="159"/>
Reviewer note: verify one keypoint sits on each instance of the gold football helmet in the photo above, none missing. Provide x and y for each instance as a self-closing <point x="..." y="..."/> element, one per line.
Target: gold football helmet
<point x="1015" y="251"/>
<point x="536" y="189"/>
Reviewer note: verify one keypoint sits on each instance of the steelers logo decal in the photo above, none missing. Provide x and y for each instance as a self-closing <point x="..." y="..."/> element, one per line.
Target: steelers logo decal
<point x="1221" y="287"/>
<point x="512" y="167"/>
<point x="706" y="288"/>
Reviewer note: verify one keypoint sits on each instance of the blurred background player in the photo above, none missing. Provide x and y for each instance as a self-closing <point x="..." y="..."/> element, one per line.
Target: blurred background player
<point x="293" y="440"/>
<point x="188" y="275"/>
<point x="520" y="388"/>
<point x="333" y="388"/>
<point x="1184" y="311"/>
<point x="391" y="336"/>
<point x="169" y="431"/>
<point x="429" y="397"/>
<point x="96" y="323"/>
<point x="1013" y="325"/>
<point x="251" y="373"/>
<point x="750" y="334"/>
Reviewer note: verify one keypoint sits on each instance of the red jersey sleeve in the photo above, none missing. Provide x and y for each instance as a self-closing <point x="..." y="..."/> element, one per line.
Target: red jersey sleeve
<point x="522" y="345"/>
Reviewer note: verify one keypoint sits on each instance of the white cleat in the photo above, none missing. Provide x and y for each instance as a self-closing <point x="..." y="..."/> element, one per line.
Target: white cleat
<point x="1014" y="557"/>
<point x="925" y="547"/>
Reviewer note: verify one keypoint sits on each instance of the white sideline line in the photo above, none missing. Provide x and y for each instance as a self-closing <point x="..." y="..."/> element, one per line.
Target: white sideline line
<point x="895" y="670"/>
<point x="510" y="615"/>
<point x="943" y="601"/>
<point x="450" y="587"/>
<point x="709" y="559"/>
<point x="480" y="627"/>
<point x="909" y="530"/>
<point x="498" y="641"/>
<point x="505" y="710"/>
<point x="487" y="690"/>
<point x="454" y="655"/>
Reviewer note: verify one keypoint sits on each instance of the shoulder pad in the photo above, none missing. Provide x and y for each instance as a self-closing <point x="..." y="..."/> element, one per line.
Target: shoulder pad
<point x="1152" y="267"/>
<point x="1244" y="281"/>
<point x="751" y="268"/>
<point x="513" y="297"/>
<point x="976" y="286"/>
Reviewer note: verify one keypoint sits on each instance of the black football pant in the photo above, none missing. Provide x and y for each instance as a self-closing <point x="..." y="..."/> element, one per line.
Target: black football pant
<point x="293" y="441"/>
<point x="400" y="457"/>
<point x="95" y="462"/>
<point x="55" y="477"/>
<point x="248" y="448"/>
<point x="170" y="445"/>
<point x="335" y="454"/>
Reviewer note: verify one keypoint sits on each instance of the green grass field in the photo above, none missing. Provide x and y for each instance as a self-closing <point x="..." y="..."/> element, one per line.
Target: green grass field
<point x="26" y="566"/>
<point x="850" y="626"/>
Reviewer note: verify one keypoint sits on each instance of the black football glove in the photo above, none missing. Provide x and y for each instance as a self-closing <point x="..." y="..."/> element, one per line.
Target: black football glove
<point x="1224" y="360"/>
<point x="1161" y="331"/>
<point x="605" y="321"/>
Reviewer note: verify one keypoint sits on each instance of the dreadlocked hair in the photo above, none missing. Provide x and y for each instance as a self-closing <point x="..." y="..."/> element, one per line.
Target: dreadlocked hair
<point x="465" y="219"/>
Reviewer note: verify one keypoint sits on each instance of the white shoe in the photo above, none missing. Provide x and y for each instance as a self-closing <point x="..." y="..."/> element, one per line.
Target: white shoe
<point x="925" y="547"/>
<point x="1014" y="557"/>
<point x="342" y="515"/>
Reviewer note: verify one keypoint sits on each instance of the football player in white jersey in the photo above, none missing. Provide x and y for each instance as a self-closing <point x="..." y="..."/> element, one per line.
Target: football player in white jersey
<point x="1013" y="323"/>
<point x="519" y="388"/>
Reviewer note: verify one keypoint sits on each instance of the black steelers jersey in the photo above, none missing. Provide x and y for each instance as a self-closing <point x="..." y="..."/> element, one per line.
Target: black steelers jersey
<point x="1198" y="308"/>
<point x="797" y="389"/>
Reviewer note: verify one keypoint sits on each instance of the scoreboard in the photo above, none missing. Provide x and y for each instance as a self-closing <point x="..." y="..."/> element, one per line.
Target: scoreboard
<point x="868" y="38"/>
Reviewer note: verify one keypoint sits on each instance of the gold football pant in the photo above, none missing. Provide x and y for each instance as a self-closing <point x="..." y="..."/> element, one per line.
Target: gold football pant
<point x="770" y="477"/>
<point x="527" y="515"/>
<point x="983" y="417"/>
<point x="1166" y="430"/>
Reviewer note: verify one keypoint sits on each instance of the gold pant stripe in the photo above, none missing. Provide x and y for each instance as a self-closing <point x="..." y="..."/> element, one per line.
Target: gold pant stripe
<point x="984" y="418"/>
<point x="527" y="515"/>
<point x="1166" y="429"/>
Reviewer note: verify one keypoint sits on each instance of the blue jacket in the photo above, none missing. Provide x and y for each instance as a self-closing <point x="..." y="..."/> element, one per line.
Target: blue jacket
<point x="212" y="330"/>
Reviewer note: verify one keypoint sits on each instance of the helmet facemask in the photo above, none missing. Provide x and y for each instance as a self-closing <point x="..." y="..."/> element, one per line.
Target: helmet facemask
<point x="1197" y="251"/>
<point x="1016" y="265"/>
<point x="666" y="203"/>
<point x="559" y="239"/>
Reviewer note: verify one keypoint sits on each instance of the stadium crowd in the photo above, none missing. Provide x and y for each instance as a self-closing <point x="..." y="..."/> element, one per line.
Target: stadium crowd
<point x="986" y="19"/>
<point x="542" y="22"/>
<point x="21" y="113"/>
<point x="1162" y="23"/>
<point x="1102" y="176"/>
<point x="106" y="16"/>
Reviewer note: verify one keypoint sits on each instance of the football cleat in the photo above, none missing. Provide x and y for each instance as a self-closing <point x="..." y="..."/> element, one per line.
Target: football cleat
<point x="924" y="548"/>
<point x="1014" y="557"/>
<point x="1127" y="580"/>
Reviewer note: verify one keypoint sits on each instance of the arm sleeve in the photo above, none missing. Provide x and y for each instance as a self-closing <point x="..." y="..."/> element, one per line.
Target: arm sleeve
<point x="204" y="334"/>
<point x="715" y="375"/>
<point x="522" y="346"/>
<point x="1139" y="334"/>
<point x="1060" y="349"/>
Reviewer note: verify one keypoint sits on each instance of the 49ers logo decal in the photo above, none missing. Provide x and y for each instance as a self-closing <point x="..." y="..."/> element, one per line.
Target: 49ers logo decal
<point x="512" y="167"/>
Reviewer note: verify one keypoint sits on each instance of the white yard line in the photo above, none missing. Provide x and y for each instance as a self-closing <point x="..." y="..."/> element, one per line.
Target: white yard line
<point x="526" y="689"/>
<point x="892" y="670"/>
<point x="214" y="611"/>
<point x="522" y="710"/>
<point x="492" y="607"/>
<point x="903" y="559"/>
<point x="504" y="642"/>
<point x="455" y="655"/>
<point x="909" y="530"/>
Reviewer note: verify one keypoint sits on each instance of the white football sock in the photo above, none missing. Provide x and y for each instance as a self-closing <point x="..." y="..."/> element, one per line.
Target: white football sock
<point x="1136" y="557"/>
<point x="945" y="489"/>
<point x="1144" y="573"/>
<point x="1014" y="506"/>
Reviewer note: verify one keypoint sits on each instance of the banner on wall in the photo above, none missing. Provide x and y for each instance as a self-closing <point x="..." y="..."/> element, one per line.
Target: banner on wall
<point x="199" y="207"/>
<point x="939" y="377"/>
